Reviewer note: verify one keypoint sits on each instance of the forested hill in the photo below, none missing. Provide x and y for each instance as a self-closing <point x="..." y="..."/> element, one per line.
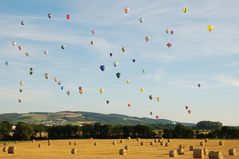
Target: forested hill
<point x="79" y="118"/>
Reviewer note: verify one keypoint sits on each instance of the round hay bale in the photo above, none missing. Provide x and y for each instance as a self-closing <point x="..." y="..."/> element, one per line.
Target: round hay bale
<point x="49" y="144"/>
<point x="39" y="145"/>
<point x="162" y="143"/>
<point x="33" y="141"/>
<point x="181" y="146"/>
<point x="122" y="152"/>
<point x="205" y="151"/>
<point x="169" y="140"/>
<point x="215" y="155"/>
<point x="75" y="143"/>
<point x="152" y="143"/>
<point x="155" y="140"/>
<point x="95" y="143"/>
<point x="12" y="149"/>
<point x="198" y="153"/>
<point x="232" y="152"/>
<point x="126" y="147"/>
<point x="4" y="144"/>
<point x="221" y="143"/>
<point x="173" y="153"/>
<point x="114" y="142"/>
<point x="206" y="140"/>
<point x="138" y="139"/>
<point x="191" y="148"/>
<point x="202" y="143"/>
<point x="4" y="149"/>
<point x="74" y="151"/>
<point x="167" y="144"/>
<point x="129" y="138"/>
<point x="121" y="141"/>
<point x="70" y="143"/>
<point x="181" y="151"/>
<point x="142" y="143"/>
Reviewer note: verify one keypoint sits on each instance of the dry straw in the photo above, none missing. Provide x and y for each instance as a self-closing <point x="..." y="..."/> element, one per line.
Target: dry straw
<point x="215" y="155"/>
<point x="122" y="152"/>
<point x="232" y="152"/>
<point x="12" y="149"/>
<point x="173" y="153"/>
<point x="198" y="153"/>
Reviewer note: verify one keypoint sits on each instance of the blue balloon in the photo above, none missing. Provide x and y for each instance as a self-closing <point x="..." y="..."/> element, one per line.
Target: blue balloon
<point x="118" y="75"/>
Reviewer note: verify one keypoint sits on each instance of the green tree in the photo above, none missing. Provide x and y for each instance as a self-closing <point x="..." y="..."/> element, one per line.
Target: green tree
<point x="23" y="131"/>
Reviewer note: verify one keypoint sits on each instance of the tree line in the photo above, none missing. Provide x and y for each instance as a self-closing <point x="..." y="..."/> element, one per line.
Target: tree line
<point x="203" y="129"/>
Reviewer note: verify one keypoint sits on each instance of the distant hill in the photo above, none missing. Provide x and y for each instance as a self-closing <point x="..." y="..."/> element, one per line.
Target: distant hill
<point x="79" y="118"/>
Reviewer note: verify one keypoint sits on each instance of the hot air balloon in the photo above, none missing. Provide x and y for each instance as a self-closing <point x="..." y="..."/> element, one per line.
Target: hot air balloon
<point x="151" y="113"/>
<point x="186" y="107"/>
<point x="150" y="97"/>
<point x="21" y="83"/>
<point x="62" y="88"/>
<point x="68" y="93"/>
<point x="27" y="53"/>
<point x="126" y="10"/>
<point x="128" y="81"/>
<point x="129" y="105"/>
<point x="101" y="90"/>
<point x="134" y="60"/>
<point x="92" y="32"/>
<point x="157" y="117"/>
<point x="141" y="90"/>
<point x="14" y="43"/>
<point x="111" y="54"/>
<point x="172" y="32"/>
<point x="115" y="63"/>
<point x="31" y="71"/>
<point x="6" y="63"/>
<point x="55" y="79"/>
<point x="102" y="68"/>
<point x="123" y="49"/>
<point x="46" y="75"/>
<point x="45" y="52"/>
<point x="189" y="111"/>
<point x="210" y="27"/>
<point x="20" y="48"/>
<point x="63" y="46"/>
<point x="49" y="15"/>
<point x="169" y="45"/>
<point x="158" y="99"/>
<point x="118" y="75"/>
<point x="19" y="100"/>
<point x="22" y="23"/>
<point x="141" y="19"/>
<point x="185" y="9"/>
<point x="199" y="85"/>
<point x="68" y="17"/>
<point x="144" y="70"/>
<point x="20" y="90"/>
<point x="92" y="42"/>
<point x="107" y="102"/>
<point x="59" y="83"/>
<point x="167" y="31"/>
<point x="81" y="90"/>
<point x="147" y="38"/>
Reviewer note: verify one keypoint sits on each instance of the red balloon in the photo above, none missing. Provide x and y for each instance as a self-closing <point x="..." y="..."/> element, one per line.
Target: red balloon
<point x="68" y="17"/>
<point x="129" y="105"/>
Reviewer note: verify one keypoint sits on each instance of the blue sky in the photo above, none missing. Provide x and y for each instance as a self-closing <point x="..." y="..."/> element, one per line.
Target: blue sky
<point x="197" y="56"/>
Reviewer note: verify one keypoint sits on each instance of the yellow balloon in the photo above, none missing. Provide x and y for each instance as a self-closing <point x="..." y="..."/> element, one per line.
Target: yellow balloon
<point x="101" y="90"/>
<point x="210" y="27"/>
<point x="128" y="81"/>
<point x="158" y="99"/>
<point x="142" y="90"/>
<point x="185" y="9"/>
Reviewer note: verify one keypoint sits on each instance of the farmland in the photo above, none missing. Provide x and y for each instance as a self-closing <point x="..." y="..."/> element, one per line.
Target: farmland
<point x="104" y="149"/>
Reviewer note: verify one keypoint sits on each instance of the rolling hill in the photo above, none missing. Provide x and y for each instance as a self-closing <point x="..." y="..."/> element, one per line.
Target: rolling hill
<point x="79" y="118"/>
